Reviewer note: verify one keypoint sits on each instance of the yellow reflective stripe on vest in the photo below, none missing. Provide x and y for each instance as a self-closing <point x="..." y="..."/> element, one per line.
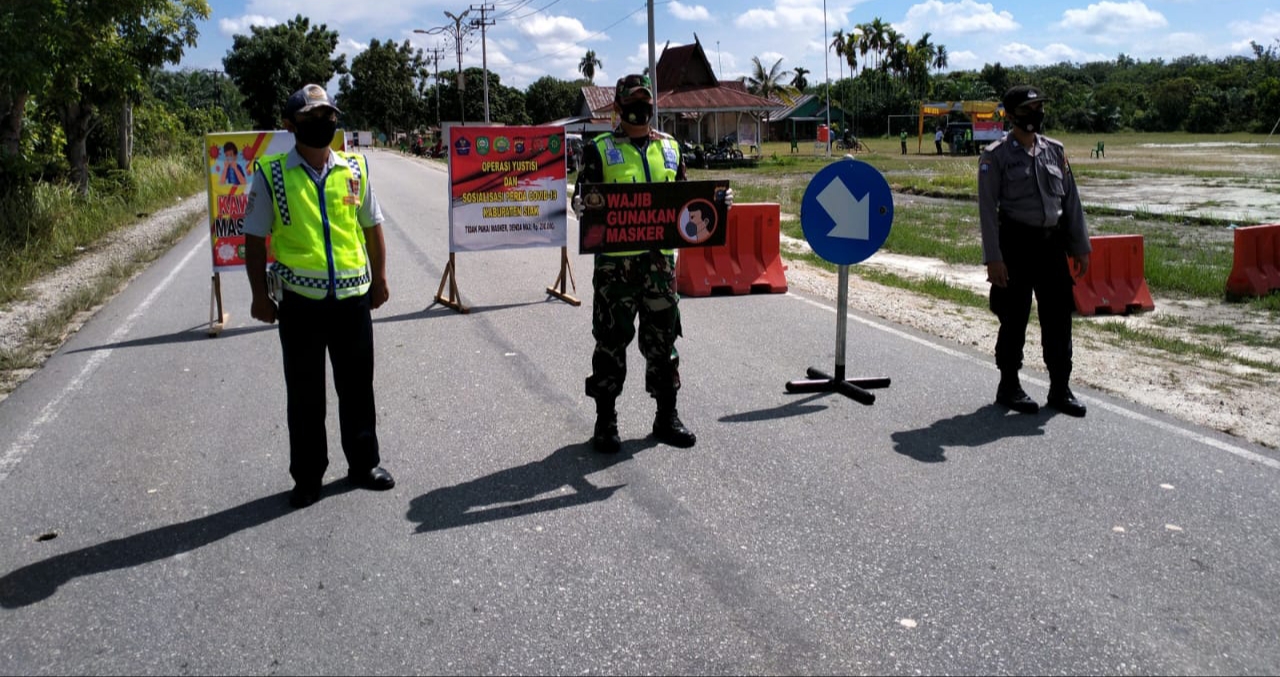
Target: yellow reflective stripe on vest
<point x="317" y="239"/>
<point x="629" y="167"/>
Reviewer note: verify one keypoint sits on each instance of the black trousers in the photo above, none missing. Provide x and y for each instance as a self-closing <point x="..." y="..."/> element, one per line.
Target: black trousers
<point x="1037" y="263"/>
<point x="345" y="329"/>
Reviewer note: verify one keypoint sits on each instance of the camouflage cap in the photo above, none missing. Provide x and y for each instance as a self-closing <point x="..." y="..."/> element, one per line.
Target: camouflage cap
<point x="632" y="85"/>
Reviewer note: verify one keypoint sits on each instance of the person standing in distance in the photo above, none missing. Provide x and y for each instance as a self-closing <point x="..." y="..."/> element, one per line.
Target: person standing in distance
<point x="937" y="141"/>
<point x="329" y="272"/>
<point x="1032" y="221"/>
<point x="634" y="282"/>
<point x="903" y="137"/>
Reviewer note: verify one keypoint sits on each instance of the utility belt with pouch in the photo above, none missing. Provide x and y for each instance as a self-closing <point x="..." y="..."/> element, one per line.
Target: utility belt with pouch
<point x="275" y="284"/>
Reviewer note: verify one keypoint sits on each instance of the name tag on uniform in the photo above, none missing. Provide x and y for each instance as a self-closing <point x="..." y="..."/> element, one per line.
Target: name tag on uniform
<point x="613" y="156"/>
<point x="672" y="158"/>
<point x="353" y="192"/>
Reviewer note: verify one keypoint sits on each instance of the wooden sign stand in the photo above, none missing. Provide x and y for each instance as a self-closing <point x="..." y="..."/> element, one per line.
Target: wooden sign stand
<point x="217" y="318"/>
<point x="455" y="299"/>
<point x="558" y="289"/>
<point x="566" y="270"/>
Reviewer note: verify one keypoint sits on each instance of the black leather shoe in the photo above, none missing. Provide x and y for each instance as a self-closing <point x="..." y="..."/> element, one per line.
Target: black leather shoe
<point x="1067" y="403"/>
<point x="303" y="496"/>
<point x="377" y="479"/>
<point x="668" y="428"/>
<point x="1017" y="400"/>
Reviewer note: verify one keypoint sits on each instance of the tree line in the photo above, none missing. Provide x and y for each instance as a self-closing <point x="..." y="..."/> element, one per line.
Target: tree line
<point x="93" y="88"/>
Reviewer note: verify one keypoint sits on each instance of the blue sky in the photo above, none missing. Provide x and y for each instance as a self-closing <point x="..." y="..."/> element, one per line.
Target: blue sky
<point x="532" y="38"/>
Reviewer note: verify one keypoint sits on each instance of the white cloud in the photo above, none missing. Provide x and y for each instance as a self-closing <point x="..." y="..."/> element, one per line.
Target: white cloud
<point x="351" y="47"/>
<point x="790" y="14"/>
<point x="1022" y="54"/>
<point x="965" y="17"/>
<point x="562" y="29"/>
<point x="240" y="25"/>
<point x="965" y="60"/>
<point x="1109" y="18"/>
<point x="685" y="12"/>
<point x="1262" y="31"/>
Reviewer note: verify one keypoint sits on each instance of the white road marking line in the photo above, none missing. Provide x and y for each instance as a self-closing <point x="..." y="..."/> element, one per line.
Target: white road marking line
<point x="28" y="439"/>
<point x="1113" y="408"/>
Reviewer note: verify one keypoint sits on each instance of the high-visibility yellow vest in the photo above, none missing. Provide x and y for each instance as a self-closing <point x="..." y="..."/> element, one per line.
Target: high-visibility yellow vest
<point x="623" y="163"/>
<point x="317" y="239"/>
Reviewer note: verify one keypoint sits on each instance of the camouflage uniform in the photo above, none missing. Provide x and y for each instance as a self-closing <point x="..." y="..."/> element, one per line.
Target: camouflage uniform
<point x="632" y="283"/>
<point x="625" y="286"/>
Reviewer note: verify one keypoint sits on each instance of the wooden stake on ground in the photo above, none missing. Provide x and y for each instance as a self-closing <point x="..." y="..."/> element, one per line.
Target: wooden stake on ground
<point x="557" y="288"/>
<point x="217" y="318"/>
<point x="455" y="299"/>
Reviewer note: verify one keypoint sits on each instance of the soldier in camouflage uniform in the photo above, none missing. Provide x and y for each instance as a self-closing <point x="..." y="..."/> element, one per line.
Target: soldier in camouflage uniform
<point x="640" y="283"/>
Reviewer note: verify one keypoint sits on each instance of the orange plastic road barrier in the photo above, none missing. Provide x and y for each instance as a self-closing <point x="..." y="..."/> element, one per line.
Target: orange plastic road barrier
<point x="1255" y="270"/>
<point x="749" y="260"/>
<point x="1115" y="281"/>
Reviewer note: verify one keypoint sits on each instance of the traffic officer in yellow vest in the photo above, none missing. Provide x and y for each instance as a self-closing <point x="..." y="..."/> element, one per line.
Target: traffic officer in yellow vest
<point x="1032" y="222"/>
<point x="637" y="282"/>
<point x="329" y="272"/>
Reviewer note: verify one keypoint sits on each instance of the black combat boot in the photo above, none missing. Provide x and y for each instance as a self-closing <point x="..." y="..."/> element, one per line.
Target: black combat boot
<point x="606" y="440"/>
<point x="667" y="426"/>
<point x="1062" y="399"/>
<point x="1010" y="394"/>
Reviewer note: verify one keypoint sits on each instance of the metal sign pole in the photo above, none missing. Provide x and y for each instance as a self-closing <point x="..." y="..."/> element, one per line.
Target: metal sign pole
<point x="842" y="320"/>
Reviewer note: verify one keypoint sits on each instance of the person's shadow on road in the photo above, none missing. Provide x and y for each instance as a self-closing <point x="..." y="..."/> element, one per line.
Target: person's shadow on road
<point x="39" y="580"/>
<point x="989" y="423"/>
<point x="514" y="492"/>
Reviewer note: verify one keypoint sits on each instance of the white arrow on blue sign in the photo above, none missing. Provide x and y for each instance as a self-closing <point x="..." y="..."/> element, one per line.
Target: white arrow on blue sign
<point x="847" y="211"/>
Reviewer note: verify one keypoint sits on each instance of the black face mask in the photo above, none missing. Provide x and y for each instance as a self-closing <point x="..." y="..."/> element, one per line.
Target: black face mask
<point x="316" y="133"/>
<point x="637" y="112"/>
<point x="1030" y="122"/>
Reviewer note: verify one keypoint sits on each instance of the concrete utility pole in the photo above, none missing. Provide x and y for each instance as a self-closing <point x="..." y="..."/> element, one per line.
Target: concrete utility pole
<point x="653" y="69"/>
<point x="458" y="31"/>
<point x="436" y="53"/>
<point x="482" y="22"/>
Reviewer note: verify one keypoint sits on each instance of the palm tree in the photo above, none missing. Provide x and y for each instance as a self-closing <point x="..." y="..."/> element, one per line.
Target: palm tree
<point x="588" y="65"/>
<point x="879" y="40"/>
<point x="940" y="57"/>
<point x="768" y="83"/>
<point x="839" y="43"/>
<point x="799" y="81"/>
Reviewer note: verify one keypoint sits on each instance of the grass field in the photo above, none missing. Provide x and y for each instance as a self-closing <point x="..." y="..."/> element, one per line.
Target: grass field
<point x="1185" y="255"/>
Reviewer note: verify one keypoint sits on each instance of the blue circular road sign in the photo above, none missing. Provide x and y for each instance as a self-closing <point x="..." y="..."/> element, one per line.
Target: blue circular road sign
<point x="847" y="211"/>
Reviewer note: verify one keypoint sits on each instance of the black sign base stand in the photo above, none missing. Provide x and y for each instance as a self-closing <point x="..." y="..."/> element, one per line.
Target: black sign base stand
<point x="821" y="382"/>
<point x="853" y="388"/>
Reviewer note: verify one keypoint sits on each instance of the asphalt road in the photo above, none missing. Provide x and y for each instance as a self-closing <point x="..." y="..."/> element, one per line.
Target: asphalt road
<point x="927" y="533"/>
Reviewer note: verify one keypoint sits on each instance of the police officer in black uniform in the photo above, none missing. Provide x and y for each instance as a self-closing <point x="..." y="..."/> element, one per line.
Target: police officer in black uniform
<point x="1032" y="222"/>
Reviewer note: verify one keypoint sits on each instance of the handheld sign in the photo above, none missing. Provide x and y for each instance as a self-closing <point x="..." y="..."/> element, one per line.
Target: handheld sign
<point x="846" y="212"/>
<point x="619" y="217"/>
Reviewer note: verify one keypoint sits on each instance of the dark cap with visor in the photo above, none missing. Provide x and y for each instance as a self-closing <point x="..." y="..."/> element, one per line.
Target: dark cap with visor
<point x="1022" y="94"/>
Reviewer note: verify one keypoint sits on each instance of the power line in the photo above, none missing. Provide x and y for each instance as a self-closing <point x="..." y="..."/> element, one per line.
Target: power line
<point x="540" y="9"/>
